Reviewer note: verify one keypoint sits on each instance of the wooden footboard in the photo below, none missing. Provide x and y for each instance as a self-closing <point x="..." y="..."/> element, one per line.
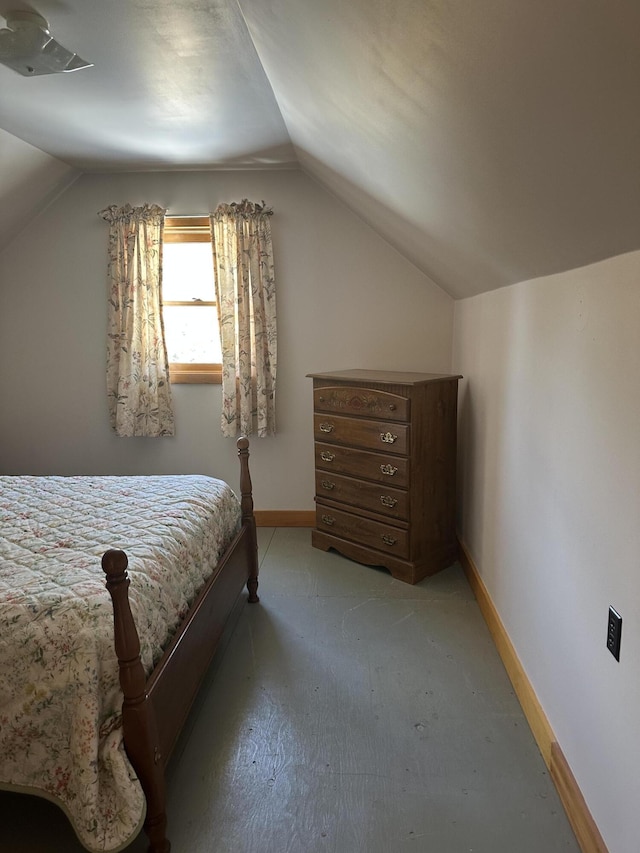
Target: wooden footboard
<point x="155" y="709"/>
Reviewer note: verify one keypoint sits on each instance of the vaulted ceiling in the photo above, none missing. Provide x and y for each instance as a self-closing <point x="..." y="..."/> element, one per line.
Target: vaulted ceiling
<point x="489" y="141"/>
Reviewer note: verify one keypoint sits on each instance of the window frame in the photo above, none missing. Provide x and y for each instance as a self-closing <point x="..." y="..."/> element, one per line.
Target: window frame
<point x="190" y="229"/>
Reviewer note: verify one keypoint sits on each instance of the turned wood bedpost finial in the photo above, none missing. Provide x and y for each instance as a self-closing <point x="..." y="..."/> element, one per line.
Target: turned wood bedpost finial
<point x="114" y="564"/>
<point x="246" y="499"/>
<point x="127" y="643"/>
<point x="248" y="518"/>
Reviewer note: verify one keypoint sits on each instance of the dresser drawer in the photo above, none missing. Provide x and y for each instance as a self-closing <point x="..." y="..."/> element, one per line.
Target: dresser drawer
<point x="375" y="534"/>
<point x="343" y="400"/>
<point x="372" y="435"/>
<point x="393" y="470"/>
<point x="359" y="493"/>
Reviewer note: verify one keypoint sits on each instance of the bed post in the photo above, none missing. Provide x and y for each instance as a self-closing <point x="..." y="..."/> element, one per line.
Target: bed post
<point x="248" y="518"/>
<point x="138" y="718"/>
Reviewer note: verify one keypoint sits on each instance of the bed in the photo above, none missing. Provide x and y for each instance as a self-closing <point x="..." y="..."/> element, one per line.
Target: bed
<point x="93" y="692"/>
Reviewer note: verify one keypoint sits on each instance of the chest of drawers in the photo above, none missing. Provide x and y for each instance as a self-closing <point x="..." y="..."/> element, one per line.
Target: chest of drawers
<point x="385" y="458"/>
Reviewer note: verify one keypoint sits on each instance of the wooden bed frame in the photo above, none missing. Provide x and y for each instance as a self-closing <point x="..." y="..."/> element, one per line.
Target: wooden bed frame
<point x="155" y="708"/>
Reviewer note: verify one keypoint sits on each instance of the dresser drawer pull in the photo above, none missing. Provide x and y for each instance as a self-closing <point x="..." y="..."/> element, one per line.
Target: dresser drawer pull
<point x="327" y="457"/>
<point x="325" y="427"/>
<point x="327" y="484"/>
<point x="388" y="437"/>
<point x="390" y="470"/>
<point x="328" y="519"/>
<point x="388" y="540"/>
<point x="387" y="500"/>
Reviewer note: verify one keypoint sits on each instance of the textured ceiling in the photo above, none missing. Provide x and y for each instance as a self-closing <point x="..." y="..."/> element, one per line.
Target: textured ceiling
<point x="489" y="142"/>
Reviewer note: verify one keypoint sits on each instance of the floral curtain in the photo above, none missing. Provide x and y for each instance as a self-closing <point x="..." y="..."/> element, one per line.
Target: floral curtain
<point x="138" y="386"/>
<point x="246" y="296"/>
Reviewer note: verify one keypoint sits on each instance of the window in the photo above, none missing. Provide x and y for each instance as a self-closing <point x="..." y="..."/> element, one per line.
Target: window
<point x="189" y="309"/>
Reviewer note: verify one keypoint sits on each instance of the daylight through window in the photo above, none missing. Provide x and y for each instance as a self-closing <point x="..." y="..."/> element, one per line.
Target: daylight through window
<point x="189" y="302"/>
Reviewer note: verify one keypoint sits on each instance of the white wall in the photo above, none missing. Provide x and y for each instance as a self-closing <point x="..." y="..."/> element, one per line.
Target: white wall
<point x="550" y="477"/>
<point x="345" y="299"/>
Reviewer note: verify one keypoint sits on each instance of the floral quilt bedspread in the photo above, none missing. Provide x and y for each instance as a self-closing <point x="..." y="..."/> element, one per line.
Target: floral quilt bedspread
<point x="60" y="700"/>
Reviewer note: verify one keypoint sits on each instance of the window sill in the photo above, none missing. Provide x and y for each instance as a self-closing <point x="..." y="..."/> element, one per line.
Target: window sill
<point x="186" y="374"/>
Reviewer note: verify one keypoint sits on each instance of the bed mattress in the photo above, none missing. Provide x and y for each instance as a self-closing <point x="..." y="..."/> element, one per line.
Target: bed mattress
<point x="60" y="700"/>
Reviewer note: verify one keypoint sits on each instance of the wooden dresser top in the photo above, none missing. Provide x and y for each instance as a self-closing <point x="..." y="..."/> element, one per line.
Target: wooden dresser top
<point x="382" y="377"/>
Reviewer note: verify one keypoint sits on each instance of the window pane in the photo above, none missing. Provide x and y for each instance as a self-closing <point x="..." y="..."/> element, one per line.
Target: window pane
<point x="187" y="272"/>
<point x="191" y="333"/>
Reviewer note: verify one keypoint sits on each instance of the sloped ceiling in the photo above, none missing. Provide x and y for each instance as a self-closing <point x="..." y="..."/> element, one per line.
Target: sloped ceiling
<point x="489" y="141"/>
<point x="29" y="181"/>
